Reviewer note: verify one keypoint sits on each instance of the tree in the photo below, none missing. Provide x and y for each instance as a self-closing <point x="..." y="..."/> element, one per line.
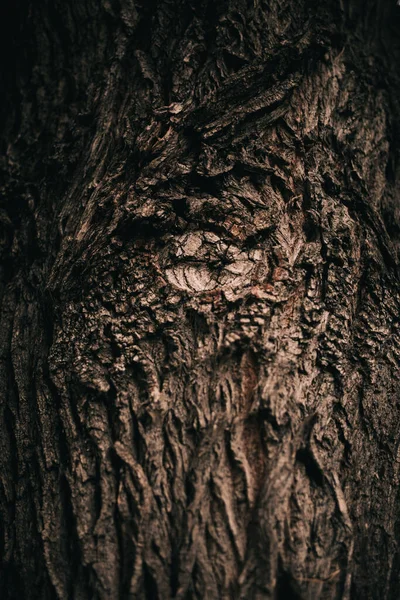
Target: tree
<point x="200" y="300"/>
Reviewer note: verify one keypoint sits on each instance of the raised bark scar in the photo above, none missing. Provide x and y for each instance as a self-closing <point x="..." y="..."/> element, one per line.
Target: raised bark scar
<point x="201" y="261"/>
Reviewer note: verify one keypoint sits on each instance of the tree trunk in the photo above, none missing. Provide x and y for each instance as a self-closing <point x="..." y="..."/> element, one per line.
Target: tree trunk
<point x="200" y="305"/>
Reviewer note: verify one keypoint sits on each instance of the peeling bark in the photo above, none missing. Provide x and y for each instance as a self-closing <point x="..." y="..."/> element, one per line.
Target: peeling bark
<point x="200" y="305"/>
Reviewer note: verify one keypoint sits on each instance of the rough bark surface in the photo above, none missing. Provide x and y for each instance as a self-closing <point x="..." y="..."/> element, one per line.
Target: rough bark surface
<point x="199" y="336"/>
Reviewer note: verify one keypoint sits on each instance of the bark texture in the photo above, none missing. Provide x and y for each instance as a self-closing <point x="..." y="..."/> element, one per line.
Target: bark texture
<point x="199" y="335"/>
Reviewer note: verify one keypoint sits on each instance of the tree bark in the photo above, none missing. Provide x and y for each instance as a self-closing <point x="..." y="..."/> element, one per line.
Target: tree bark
<point x="199" y="334"/>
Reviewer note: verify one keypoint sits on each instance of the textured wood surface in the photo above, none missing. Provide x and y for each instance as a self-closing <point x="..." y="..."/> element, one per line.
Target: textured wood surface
<point x="199" y="326"/>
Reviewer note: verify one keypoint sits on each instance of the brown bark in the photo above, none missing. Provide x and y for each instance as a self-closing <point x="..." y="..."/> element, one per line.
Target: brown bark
<point x="199" y="334"/>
